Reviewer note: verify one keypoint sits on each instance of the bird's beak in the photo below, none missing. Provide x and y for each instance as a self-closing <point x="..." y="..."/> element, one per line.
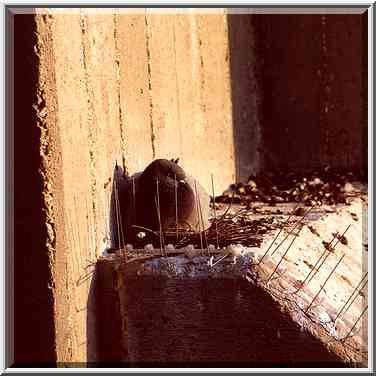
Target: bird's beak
<point x="182" y="181"/>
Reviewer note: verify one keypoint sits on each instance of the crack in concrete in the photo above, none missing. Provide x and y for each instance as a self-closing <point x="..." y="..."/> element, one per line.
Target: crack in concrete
<point x="177" y="94"/>
<point x="92" y="121"/>
<point x="152" y="133"/>
<point x="123" y="145"/>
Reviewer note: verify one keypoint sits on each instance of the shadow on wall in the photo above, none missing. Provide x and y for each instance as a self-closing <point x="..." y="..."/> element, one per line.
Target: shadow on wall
<point x="299" y="91"/>
<point x="104" y="322"/>
<point x="33" y="315"/>
<point x="245" y="95"/>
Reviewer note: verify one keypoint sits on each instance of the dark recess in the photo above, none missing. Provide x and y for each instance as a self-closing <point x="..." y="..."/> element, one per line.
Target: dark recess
<point x="107" y="332"/>
<point x="310" y="72"/>
<point x="34" y="334"/>
<point x="245" y="95"/>
<point x="220" y="322"/>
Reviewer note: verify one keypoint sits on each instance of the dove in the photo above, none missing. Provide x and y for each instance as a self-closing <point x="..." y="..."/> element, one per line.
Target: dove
<point x="165" y="185"/>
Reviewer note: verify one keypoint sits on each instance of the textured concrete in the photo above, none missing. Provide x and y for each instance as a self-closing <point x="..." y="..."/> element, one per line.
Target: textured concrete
<point x="99" y="86"/>
<point x="126" y="87"/>
<point x="313" y="83"/>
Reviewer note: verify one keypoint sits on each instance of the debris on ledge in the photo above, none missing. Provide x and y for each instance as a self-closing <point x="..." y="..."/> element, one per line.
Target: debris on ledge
<point x="312" y="265"/>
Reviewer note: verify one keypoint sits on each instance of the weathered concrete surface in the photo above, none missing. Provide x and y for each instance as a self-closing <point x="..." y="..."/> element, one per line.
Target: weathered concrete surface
<point x="246" y="94"/>
<point x="191" y="94"/>
<point x="313" y="81"/>
<point x="177" y="321"/>
<point x="135" y="86"/>
<point x="114" y="86"/>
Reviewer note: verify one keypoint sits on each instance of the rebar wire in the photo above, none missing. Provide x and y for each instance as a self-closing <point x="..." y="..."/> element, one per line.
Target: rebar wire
<point x="356" y="322"/>
<point x="352" y="294"/>
<point x="198" y="215"/>
<point x="283" y="256"/>
<point x="313" y="268"/>
<point x="120" y="224"/>
<point x="159" y="219"/>
<point x="176" y="210"/>
<point x="202" y="220"/>
<point x="323" y="285"/>
<point x="215" y="211"/>
<point x="294" y="227"/>
<point x="327" y="255"/>
<point x="275" y="238"/>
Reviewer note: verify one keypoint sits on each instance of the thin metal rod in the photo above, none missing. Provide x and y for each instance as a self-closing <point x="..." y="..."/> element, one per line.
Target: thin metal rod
<point x="198" y="215"/>
<point x="352" y="294"/>
<point x="323" y="285"/>
<point x="121" y="232"/>
<point x="159" y="218"/>
<point x="294" y="227"/>
<point x="223" y="257"/>
<point x="202" y="222"/>
<point x="176" y="210"/>
<point x="352" y="301"/>
<point x="327" y="255"/>
<point x="215" y="211"/>
<point x="275" y="238"/>
<point x="314" y="266"/>
<point x="356" y="322"/>
<point x="146" y="229"/>
<point x="134" y="201"/>
<point x="117" y="216"/>
<point x="160" y="227"/>
<point x="288" y="248"/>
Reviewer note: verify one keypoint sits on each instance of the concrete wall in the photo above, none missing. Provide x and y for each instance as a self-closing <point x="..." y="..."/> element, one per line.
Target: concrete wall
<point x="114" y="86"/>
<point x="92" y="87"/>
<point x="313" y="76"/>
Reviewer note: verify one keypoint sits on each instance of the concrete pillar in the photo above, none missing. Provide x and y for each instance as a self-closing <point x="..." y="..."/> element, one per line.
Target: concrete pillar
<point x="108" y="86"/>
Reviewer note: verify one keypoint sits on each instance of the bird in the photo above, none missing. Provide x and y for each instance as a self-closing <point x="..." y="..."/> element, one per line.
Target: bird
<point x="161" y="197"/>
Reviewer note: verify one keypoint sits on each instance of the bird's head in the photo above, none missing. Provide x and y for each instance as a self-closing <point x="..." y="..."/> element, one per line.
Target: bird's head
<point x="168" y="173"/>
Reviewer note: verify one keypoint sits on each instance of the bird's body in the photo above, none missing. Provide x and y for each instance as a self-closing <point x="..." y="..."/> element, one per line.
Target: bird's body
<point x="162" y="196"/>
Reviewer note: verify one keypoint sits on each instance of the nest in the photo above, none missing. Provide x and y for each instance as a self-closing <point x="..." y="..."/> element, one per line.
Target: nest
<point x="228" y="229"/>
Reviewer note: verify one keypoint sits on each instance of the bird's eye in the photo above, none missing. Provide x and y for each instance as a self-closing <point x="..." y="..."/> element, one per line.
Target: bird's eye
<point x="170" y="175"/>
